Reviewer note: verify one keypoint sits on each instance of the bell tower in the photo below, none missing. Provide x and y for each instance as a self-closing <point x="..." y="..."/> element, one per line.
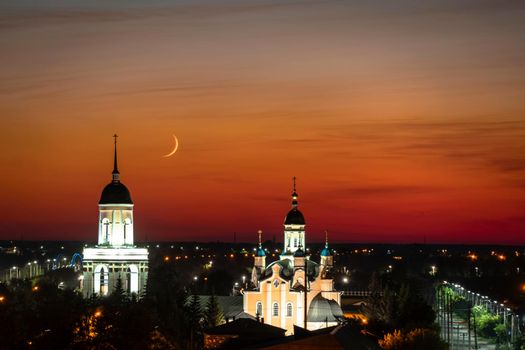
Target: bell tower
<point x="115" y="257"/>
<point x="115" y="224"/>
<point x="294" y="224"/>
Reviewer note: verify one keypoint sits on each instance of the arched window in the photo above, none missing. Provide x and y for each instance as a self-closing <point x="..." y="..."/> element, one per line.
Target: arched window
<point x="258" y="309"/>
<point x="275" y="309"/>
<point x="289" y="310"/>
<point x="128" y="281"/>
<point x="103" y="282"/>
<point x="127" y="222"/>
<point x="105" y="222"/>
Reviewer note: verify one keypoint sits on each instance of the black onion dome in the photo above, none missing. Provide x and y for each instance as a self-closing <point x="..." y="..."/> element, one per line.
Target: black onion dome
<point x="299" y="253"/>
<point x="294" y="217"/>
<point x="115" y="193"/>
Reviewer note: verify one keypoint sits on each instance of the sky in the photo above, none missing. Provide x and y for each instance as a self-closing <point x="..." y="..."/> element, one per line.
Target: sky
<point x="403" y="121"/>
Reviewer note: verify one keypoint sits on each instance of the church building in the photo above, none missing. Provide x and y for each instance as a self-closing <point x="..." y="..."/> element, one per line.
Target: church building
<point x="280" y="290"/>
<point x="115" y="256"/>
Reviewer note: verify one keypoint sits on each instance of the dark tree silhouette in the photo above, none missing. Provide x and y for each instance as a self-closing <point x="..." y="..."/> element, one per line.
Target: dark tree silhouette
<point x="194" y="317"/>
<point x="213" y="315"/>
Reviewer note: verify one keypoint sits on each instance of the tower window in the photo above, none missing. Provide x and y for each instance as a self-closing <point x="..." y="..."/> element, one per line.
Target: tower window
<point x="127" y="222"/>
<point x="128" y="280"/>
<point x="103" y="289"/>
<point x="258" y="309"/>
<point x="289" y="310"/>
<point x="106" y="223"/>
<point x="275" y="309"/>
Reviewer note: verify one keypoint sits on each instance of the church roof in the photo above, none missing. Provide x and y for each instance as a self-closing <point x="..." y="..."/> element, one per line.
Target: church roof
<point x="324" y="310"/>
<point x="286" y="270"/>
<point x="115" y="193"/>
<point x="246" y="327"/>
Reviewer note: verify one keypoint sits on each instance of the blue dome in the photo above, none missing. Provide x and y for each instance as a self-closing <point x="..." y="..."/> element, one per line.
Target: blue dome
<point x="261" y="252"/>
<point x="326" y="251"/>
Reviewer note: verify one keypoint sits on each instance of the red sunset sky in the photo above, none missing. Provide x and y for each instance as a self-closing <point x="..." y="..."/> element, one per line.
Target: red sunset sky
<point x="402" y="120"/>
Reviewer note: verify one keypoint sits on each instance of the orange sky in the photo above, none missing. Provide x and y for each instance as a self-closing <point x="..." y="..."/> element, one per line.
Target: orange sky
<point x="403" y="122"/>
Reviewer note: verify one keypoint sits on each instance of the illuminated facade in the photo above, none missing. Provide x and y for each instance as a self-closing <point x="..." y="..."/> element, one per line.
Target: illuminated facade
<point x="277" y="292"/>
<point x="115" y="256"/>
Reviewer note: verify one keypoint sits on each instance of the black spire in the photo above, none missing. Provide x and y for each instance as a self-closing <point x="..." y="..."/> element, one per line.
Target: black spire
<point x="116" y="174"/>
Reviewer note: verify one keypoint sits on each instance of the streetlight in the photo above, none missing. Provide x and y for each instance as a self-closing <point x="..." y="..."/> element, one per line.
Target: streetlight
<point x="345" y="282"/>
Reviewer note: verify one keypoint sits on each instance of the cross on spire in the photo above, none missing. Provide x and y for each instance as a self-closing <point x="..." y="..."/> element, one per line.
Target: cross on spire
<point x="259" y="233"/>
<point x="326" y="237"/>
<point x="294" y="194"/>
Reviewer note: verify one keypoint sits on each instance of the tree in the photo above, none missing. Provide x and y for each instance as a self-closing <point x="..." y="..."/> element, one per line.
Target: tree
<point x="166" y="297"/>
<point x="213" y="315"/>
<point x="194" y="318"/>
<point x="419" y="338"/>
<point x="158" y="341"/>
<point x="397" y="306"/>
<point x="119" y="295"/>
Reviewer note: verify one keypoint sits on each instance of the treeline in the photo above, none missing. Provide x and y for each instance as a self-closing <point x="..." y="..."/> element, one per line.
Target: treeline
<point x="42" y="316"/>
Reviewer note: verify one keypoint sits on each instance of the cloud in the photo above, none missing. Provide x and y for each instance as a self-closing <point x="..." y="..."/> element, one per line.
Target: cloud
<point x="383" y="190"/>
<point x="485" y="142"/>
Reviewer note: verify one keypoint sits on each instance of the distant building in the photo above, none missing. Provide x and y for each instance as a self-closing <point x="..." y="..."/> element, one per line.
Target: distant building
<point x="115" y="256"/>
<point x="277" y="293"/>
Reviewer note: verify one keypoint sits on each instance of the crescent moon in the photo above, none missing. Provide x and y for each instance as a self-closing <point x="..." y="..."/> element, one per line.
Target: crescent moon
<point x="174" y="150"/>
